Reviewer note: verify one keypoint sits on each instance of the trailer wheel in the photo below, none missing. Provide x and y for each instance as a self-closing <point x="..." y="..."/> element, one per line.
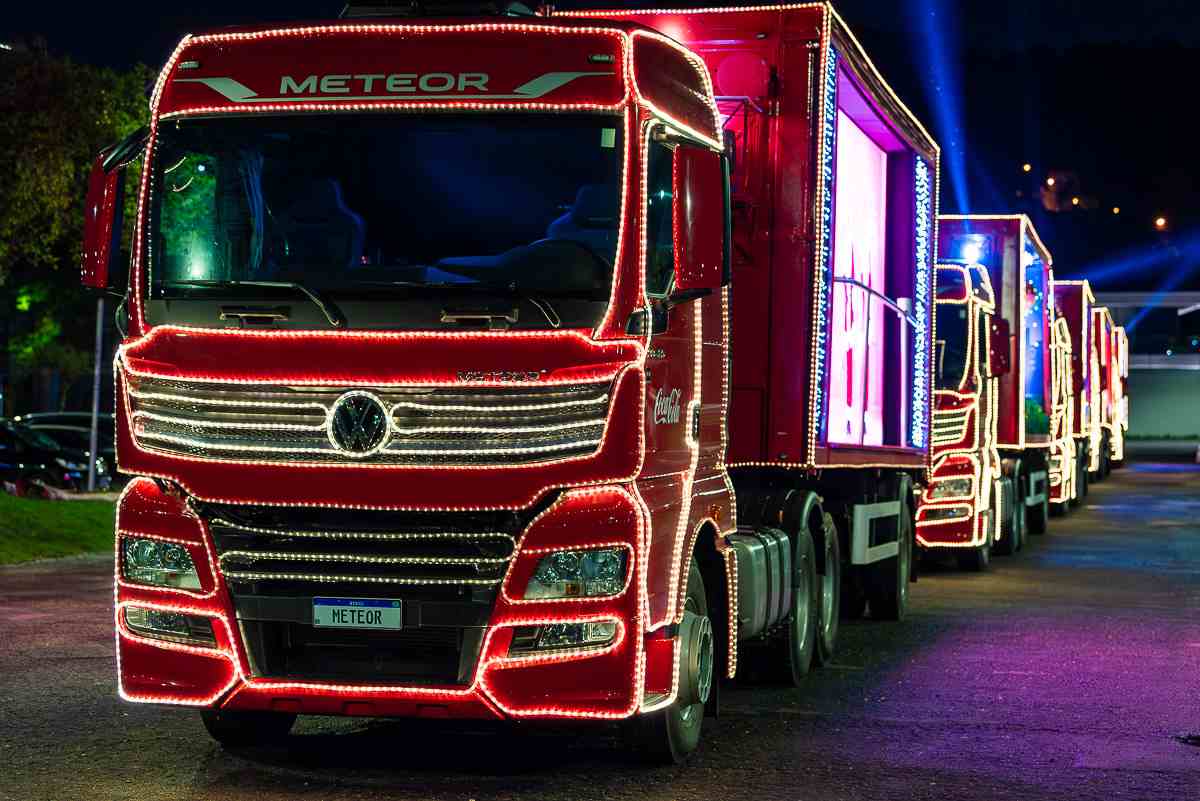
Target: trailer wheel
<point x="242" y="729"/>
<point x="1037" y="516"/>
<point x="887" y="584"/>
<point x="1008" y="543"/>
<point x="804" y="622"/>
<point x="1081" y="481"/>
<point x="830" y="584"/>
<point x="667" y="736"/>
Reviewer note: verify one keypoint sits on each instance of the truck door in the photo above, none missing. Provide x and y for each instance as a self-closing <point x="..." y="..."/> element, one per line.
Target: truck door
<point x="672" y="382"/>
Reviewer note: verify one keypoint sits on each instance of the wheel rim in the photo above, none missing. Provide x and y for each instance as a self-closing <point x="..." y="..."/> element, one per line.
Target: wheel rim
<point x="704" y="673"/>
<point x="829" y="592"/>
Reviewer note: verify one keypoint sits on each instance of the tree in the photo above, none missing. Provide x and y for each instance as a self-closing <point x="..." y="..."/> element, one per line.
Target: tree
<point x="55" y="116"/>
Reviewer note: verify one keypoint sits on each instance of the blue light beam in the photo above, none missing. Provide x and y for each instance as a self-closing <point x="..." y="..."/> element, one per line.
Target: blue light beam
<point x="938" y="34"/>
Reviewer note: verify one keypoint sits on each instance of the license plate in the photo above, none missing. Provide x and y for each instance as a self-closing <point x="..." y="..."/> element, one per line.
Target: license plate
<point x="358" y="613"/>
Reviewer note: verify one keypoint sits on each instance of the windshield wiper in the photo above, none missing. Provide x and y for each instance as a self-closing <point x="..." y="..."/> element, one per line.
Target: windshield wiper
<point x="328" y="308"/>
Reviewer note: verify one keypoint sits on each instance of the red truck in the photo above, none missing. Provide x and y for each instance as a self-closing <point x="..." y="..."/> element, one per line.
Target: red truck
<point x="1002" y="415"/>
<point x="1112" y="358"/>
<point x="514" y="368"/>
<point x="1075" y="303"/>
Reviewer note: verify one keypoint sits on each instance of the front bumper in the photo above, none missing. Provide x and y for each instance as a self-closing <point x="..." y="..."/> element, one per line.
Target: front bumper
<point x="606" y="681"/>
<point x="951" y="522"/>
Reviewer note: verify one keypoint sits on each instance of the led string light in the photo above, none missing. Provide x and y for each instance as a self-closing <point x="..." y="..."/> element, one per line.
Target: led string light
<point x="373" y="535"/>
<point x="922" y="379"/>
<point x="826" y="144"/>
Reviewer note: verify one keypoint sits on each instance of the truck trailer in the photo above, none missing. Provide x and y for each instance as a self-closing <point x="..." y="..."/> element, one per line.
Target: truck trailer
<point x="513" y="367"/>
<point x="1004" y="264"/>
<point x="1074" y="302"/>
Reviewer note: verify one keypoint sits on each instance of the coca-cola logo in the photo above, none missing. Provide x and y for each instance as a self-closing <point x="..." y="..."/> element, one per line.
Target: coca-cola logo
<point x="666" y="406"/>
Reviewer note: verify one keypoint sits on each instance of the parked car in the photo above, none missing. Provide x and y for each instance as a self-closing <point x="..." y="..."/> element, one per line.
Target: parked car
<point x="31" y="460"/>
<point x="74" y="430"/>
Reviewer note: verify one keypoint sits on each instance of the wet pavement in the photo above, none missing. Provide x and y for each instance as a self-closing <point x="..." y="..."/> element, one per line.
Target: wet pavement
<point x="1071" y="671"/>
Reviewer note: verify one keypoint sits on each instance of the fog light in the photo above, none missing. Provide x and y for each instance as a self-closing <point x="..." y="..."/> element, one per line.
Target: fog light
<point x="172" y="626"/>
<point x="563" y="635"/>
<point x="158" y="563"/>
<point x="946" y="513"/>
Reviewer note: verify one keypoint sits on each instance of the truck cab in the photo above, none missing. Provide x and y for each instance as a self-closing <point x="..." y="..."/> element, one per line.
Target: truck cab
<point x="963" y="507"/>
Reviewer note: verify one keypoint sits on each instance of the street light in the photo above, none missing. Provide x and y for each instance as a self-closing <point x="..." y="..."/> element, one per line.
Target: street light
<point x="1116" y="209"/>
<point x="1074" y="201"/>
<point x="1026" y="167"/>
<point x="1050" y="181"/>
<point x="1160" y="223"/>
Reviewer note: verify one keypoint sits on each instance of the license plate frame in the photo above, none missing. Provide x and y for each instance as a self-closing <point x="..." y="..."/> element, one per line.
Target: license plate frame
<point x="369" y="614"/>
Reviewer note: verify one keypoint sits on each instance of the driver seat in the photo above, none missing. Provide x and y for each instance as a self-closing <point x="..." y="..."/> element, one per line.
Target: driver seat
<point x="320" y="230"/>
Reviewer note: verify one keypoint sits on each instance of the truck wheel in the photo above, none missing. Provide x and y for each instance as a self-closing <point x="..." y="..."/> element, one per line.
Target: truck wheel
<point x="667" y="736"/>
<point x="805" y="620"/>
<point x="975" y="560"/>
<point x="1081" y="482"/>
<point x="1037" y="516"/>
<point x="887" y="586"/>
<point x="1008" y="543"/>
<point x="241" y="729"/>
<point x="830" y="584"/>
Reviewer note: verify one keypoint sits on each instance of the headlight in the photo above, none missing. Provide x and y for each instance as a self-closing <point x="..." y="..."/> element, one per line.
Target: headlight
<point x="579" y="574"/>
<point x="952" y="488"/>
<point x="65" y="465"/>
<point x="161" y="564"/>
<point x="946" y="513"/>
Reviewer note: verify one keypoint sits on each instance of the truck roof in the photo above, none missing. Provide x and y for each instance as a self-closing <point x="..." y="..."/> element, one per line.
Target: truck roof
<point x="695" y="28"/>
<point x="503" y="63"/>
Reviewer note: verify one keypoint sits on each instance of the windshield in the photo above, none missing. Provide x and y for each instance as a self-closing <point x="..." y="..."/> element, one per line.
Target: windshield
<point x="346" y="205"/>
<point x="35" y="438"/>
<point x="951" y="344"/>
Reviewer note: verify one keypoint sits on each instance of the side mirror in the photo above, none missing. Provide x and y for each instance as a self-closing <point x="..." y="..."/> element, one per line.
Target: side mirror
<point x="699" y="221"/>
<point x="101" y="222"/>
<point x="1000" y="347"/>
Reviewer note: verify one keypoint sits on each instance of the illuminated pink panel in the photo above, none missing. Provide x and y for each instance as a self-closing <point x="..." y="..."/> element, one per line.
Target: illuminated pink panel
<point x="856" y="357"/>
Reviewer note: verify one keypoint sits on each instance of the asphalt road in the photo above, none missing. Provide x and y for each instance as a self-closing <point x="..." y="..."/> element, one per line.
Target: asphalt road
<point x="1070" y="671"/>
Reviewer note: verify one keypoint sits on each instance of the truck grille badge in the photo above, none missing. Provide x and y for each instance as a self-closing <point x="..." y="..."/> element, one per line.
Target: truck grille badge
<point x="358" y="423"/>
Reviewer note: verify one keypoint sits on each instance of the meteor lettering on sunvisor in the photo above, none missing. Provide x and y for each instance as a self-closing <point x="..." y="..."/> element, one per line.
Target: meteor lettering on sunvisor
<point x="411" y="85"/>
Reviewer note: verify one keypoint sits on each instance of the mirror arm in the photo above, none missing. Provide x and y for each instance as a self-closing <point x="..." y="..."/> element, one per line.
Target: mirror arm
<point x="683" y="296"/>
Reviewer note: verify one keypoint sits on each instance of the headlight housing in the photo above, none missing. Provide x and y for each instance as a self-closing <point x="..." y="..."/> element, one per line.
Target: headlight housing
<point x="158" y="563"/>
<point x="953" y="488"/>
<point x="591" y="573"/>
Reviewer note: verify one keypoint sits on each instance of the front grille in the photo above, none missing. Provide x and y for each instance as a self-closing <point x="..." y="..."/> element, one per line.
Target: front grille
<point x="950" y="426"/>
<point x="427" y="655"/>
<point x="442" y="426"/>
<point x="311" y="550"/>
<point x="445" y="568"/>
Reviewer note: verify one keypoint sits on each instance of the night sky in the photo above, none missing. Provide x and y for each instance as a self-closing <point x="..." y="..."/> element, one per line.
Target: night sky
<point x="1092" y="92"/>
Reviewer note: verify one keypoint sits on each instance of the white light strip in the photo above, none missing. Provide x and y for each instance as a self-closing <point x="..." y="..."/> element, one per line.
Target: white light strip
<point x="189" y="442"/>
<point x="344" y="579"/>
<point x="466" y="561"/>
<point x="380" y="535"/>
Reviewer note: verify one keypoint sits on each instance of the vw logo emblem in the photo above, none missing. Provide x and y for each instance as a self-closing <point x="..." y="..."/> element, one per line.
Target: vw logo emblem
<point x="358" y="423"/>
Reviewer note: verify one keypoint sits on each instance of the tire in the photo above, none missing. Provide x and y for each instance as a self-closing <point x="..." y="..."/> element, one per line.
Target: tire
<point x="804" y="621"/>
<point x="667" y="736"/>
<point x="829" y="583"/>
<point x="1036" y="517"/>
<point x="243" y="729"/>
<point x="887" y="584"/>
<point x="1008" y="544"/>
<point x="1082" y="481"/>
<point x="975" y="560"/>
<point x="1020" y="513"/>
